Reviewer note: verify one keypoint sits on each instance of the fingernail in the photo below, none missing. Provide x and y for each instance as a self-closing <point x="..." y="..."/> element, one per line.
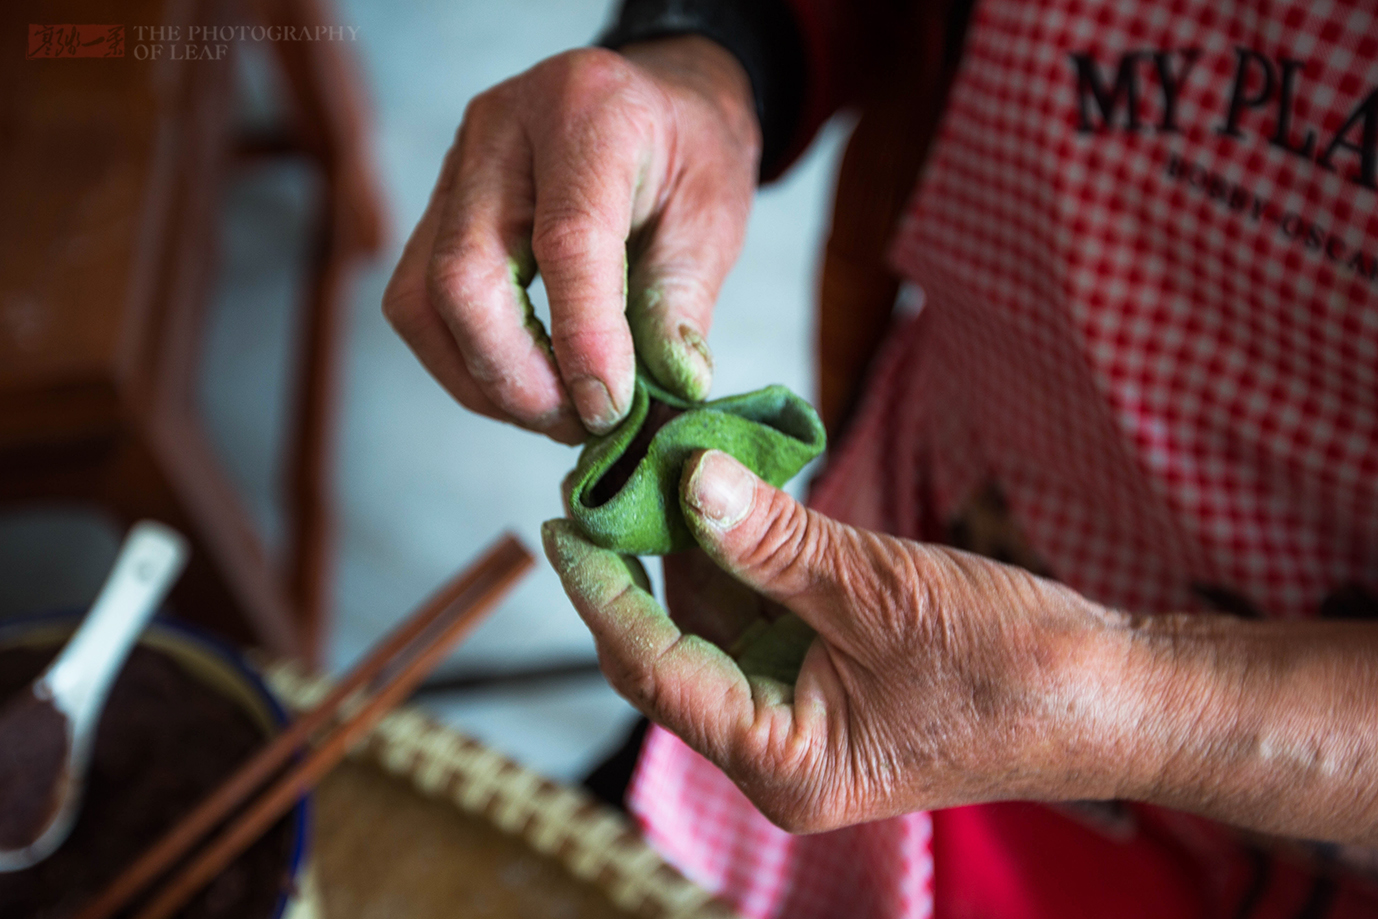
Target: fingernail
<point x="722" y="490"/>
<point x="698" y="363"/>
<point x="595" y="405"/>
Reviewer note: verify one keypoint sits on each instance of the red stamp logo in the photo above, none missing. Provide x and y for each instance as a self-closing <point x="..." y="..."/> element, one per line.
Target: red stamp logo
<point x="75" y="41"/>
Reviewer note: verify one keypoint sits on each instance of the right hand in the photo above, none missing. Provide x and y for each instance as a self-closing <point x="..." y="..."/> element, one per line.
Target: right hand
<point x="932" y="678"/>
<point x="626" y="180"/>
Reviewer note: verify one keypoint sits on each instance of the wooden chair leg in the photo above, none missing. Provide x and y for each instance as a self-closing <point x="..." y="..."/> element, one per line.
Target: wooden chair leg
<point x="173" y="468"/>
<point x="329" y="127"/>
<point x="310" y="460"/>
<point x="330" y="117"/>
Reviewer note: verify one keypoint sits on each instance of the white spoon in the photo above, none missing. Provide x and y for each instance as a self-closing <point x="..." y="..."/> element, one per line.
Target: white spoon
<point x="47" y="730"/>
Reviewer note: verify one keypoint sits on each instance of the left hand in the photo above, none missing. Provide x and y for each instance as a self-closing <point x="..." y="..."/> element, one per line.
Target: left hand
<point x="929" y="683"/>
<point x="624" y="178"/>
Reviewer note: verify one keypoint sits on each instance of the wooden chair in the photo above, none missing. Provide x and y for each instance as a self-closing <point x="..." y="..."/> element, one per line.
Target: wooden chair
<point x="112" y="173"/>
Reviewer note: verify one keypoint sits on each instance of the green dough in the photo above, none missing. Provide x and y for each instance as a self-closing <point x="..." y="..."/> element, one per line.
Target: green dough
<point x="625" y="493"/>
<point x="775" y="650"/>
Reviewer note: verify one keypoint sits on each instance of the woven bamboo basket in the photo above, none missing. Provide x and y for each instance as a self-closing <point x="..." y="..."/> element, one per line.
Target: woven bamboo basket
<point x="422" y="817"/>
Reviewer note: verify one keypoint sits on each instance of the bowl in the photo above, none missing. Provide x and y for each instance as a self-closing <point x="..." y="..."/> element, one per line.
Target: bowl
<point x="221" y="669"/>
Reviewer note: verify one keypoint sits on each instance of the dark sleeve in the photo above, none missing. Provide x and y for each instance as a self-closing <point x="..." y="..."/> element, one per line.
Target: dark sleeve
<point x="856" y="51"/>
<point x="806" y="59"/>
<point x="762" y="34"/>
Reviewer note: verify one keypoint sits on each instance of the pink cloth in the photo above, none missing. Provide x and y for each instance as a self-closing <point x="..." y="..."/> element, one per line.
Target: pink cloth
<point x="1160" y="336"/>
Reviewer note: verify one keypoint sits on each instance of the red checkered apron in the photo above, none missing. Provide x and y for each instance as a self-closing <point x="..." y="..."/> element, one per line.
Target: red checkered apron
<point x="1147" y="242"/>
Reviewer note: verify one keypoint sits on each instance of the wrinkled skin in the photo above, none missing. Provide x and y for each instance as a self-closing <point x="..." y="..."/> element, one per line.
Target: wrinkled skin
<point x="901" y="626"/>
<point x="936" y="677"/>
<point x="626" y="180"/>
<point x="940" y="678"/>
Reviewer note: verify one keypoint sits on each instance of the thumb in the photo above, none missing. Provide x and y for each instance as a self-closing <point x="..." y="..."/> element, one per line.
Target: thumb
<point x="760" y="534"/>
<point x="673" y="285"/>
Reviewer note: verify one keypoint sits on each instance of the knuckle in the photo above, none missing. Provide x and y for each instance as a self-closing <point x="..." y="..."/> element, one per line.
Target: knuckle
<point x="463" y="290"/>
<point x="398" y="308"/>
<point x="491" y="104"/>
<point x="793" y="541"/>
<point x="478" y="123"/>
<point x="568" y="238"/>
<point x="561" y="239"/>
<point x="454" y="276"/>
<point x="476" y="111"/>
<point x="584" y="69"/>
<point x="678" y="286"/>
<point x="405" y="303"/>
<point x="592" y="98"/>
<point x="586" y="335"/>
<point x="635" y="683"/>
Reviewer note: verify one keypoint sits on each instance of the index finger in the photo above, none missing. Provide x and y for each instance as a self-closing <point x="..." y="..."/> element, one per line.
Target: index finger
<point x="683" y="682"/>
<point x="479" y="266"/>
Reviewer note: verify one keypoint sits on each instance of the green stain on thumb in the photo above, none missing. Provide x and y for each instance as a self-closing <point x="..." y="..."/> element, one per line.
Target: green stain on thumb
<point x="596" y="575"/>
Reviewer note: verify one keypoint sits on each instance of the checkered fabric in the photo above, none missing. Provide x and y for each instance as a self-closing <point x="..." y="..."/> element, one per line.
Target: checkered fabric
<point x="1147" y="242"/>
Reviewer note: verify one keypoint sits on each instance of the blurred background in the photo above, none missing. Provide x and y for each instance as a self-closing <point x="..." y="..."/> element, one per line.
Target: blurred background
<point x="419" y="485"/>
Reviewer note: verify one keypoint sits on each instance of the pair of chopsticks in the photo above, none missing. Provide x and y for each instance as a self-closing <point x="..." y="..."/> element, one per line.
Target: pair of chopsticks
<point x="386" y="677"/>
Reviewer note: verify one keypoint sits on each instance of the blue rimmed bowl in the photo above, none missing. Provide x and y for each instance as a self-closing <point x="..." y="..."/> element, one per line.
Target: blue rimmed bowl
<point x="221" y="668"/>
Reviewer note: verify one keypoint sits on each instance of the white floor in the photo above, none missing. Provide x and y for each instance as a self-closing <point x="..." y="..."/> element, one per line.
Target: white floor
<point x="422" y="485"/>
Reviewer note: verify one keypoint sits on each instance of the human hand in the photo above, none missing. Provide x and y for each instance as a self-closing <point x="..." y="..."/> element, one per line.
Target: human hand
<point x="626" y="180"/>
<point x="936" y="677"/>
<point x="939" y="678"/>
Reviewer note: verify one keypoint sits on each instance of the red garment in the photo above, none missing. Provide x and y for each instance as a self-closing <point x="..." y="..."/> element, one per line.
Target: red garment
<point x="1151" y="314"/>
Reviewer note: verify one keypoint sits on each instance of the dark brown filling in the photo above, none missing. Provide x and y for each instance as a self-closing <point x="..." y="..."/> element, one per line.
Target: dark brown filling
<point x="165" y="741"/>
<point x="606" y="488"/>
<point x="33" y="753"/>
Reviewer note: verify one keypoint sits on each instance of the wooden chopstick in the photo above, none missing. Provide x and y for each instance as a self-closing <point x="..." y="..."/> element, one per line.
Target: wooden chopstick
<point x="249" y="777"/>
<point x="393" y="669"/>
